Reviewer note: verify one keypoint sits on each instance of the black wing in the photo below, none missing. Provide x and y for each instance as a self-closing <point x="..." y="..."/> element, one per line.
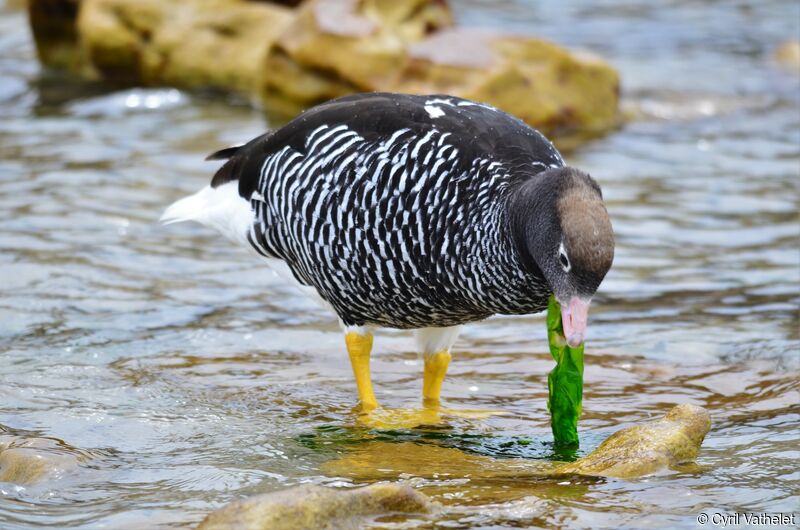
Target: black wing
<point x="478" y="129"/>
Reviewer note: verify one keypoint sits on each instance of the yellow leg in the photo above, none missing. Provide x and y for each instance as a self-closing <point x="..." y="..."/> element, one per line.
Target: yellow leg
<point x="359" y="347"/>
<point x="435" y="369"/>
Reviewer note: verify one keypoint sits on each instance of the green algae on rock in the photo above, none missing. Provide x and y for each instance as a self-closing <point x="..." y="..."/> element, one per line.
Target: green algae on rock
<point x="318" y="507"/>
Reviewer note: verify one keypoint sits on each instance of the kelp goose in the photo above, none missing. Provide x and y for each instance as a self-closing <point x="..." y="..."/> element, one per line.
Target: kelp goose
<point x="413" y="212"/>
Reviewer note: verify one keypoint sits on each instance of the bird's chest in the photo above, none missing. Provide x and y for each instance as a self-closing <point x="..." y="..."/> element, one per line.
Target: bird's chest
<point x="411" y="272"/>
<point x="400" y="244"/>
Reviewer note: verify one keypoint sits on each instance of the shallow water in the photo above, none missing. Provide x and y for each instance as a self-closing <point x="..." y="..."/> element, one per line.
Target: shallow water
<point x="178" y="373"/>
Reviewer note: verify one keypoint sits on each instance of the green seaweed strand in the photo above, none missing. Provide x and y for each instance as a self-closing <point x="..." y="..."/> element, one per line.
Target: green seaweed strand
<point x="564" y="382"/>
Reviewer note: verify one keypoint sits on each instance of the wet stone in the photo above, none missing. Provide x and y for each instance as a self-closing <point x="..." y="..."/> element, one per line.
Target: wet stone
<point x="25" y="461"/>
<point x="310" y="506"/>
<point x="787" y="55"/>
<point x="647" y="448"/>
<point x="631" y="452"/>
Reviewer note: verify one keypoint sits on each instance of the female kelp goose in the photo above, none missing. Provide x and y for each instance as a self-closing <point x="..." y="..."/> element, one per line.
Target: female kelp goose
<point x="414" y="212"/>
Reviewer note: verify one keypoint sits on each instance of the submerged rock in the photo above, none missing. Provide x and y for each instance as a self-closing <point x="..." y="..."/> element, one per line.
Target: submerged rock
<point x="631" y="452"/>
<point x="788" y="55"/>
<point x="26" y="461"/>
<point x="316" y="507"/>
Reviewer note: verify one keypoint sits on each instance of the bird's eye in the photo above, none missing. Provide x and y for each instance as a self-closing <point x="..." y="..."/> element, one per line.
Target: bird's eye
<point x="562" y="257"/>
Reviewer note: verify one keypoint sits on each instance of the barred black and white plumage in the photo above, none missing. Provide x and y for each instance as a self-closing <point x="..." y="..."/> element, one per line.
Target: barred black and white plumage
<point x="413" y="211"/>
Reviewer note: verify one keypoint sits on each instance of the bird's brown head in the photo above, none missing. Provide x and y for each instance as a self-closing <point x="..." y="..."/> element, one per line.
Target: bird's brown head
<point x="563" y="231"/>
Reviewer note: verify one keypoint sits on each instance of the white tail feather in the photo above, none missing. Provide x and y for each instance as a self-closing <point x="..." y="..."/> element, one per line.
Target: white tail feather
<point x="222" y="209"/>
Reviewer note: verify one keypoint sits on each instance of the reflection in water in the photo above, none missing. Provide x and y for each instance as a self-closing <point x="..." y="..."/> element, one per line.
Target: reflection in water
<point x="178" y="387"/>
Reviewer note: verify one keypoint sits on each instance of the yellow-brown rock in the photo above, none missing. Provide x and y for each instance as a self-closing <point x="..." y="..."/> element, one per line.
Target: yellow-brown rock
<point x="201" y="43"/>
<point x="293" y="57"/>
<point x="788" y="55"/>
<point x="25" y="461"/>
<point x="631" y="452"/>
<point x="289" y="87"/>
<point x="14" y="5"/>
<point x="647" y="448"/>
<point x="316" y="507"/>
<point x="336" y="47"/>
<point x="53" y="26"/>
<point x="559" y="92"/>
